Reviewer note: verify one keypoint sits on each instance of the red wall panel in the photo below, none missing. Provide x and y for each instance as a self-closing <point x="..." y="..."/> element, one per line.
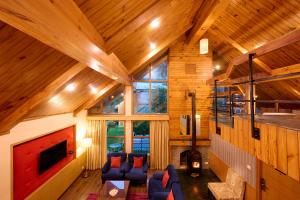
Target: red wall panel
<point x="26" y="161"/>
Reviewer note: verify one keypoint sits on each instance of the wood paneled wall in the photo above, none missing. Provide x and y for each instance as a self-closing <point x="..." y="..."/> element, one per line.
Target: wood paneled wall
<point x="278" y="147"/>
<point x="188" y="70"/>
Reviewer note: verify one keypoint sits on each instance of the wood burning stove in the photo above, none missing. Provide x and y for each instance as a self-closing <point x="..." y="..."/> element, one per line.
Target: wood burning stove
<point x="194" y="158"/>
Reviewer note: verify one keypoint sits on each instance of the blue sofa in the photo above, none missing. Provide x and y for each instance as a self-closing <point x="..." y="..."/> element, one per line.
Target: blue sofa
<point x="156" y="190"/>
<point x="136" y="175"/>
<point x="109" y="173"/>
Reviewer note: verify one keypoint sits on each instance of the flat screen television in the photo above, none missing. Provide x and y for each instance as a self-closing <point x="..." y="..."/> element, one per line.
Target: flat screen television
<point x="52" y="155"/>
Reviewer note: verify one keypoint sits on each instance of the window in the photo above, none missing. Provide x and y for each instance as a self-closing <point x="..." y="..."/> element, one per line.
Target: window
<point x="150" y="88"/>
<point x="115" y="136"/>
<point x="141" y="139"/>
<point x="110" y="104"/>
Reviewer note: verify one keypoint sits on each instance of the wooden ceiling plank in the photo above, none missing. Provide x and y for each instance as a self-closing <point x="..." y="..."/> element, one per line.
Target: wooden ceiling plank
<point x="15" y="117"/>
<point x="153" y="11"/>
<point x="263" y="67"/>
<point x="161" y="48"/>
<point x="205" y="17"/>
<point x="285" y="40"/>
<point x="62" y="25"/>
<point x="110" y="85"/>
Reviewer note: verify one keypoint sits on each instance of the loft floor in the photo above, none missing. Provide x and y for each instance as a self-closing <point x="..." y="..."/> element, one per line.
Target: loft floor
<point x="193" y="188"/>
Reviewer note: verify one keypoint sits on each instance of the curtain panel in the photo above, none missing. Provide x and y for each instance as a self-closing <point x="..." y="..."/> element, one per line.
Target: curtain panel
<point x="96" y="154"/>
<point x="159" y="144"/>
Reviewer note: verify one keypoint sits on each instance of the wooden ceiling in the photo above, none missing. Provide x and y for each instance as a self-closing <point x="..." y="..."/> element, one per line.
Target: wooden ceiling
<point x="49" y="44"/>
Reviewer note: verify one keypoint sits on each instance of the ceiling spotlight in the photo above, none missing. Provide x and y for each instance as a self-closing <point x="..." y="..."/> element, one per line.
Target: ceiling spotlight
<point x="93" y="89"/>
<point x="56" y="100"/>
<point x="114" y="77"/>
<point x="152" y="45"/>
<point x="71" y="87"/>
<point x="122" y="94"/>
<point x="155" y="23"/>
<point x="217" y="67"/>
<point x="112" y="96"/>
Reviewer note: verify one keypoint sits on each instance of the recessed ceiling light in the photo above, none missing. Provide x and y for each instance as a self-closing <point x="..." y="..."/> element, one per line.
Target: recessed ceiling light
<point x="114" y="77"/>
<point x="122" y="94"/>
<point x="152" y="45"/>
<point x="155" y="23"/>
<point x="93" y="89"/>
<point x="112" y="96"/>
<point x="70" y="87"/>
<point x="56" y="100"/>
<point x="217" y="67"/>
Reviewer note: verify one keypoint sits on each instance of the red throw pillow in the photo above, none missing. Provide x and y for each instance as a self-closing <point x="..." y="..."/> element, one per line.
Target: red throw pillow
<point x="165" y="179"/>
<point x="137" y="162"/>
<point x="115" y="162"/>
<point x="170" y="196"/>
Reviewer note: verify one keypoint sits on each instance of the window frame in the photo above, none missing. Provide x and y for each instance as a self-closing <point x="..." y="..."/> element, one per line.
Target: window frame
<point x="150" y="81"/>
<point x="124" y="136"/>
<point x="132" y="138"/>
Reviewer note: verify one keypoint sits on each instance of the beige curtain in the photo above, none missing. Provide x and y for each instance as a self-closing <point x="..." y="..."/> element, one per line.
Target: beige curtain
<point x="96" y="154"/>
<point x="159" y="144"/>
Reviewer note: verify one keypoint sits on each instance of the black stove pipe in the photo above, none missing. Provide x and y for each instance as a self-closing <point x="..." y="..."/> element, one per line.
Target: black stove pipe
<point x="192" y="94"/>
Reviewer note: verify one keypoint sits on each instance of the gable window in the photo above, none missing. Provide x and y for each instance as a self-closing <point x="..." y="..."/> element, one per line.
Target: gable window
<point x="150" y="88"/>
<point x="141" y="137"/>
<point x="115" y="136"/>
<point x="113" y="103"/>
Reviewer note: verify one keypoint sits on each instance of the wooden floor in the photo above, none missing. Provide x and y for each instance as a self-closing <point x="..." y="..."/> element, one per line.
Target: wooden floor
<point x="80" y="189"/>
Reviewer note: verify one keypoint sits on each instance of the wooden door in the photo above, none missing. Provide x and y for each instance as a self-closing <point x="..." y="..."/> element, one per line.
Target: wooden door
<point x="278" y="185"/>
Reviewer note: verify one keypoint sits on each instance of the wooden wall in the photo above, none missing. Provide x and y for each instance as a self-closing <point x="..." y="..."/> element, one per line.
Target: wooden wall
<point x="188" y="70"/>
<point x="278" y="147"/>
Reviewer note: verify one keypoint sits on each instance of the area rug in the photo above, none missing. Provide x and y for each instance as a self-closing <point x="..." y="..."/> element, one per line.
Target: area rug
<point x="137" y="196"/>
<point x="93" y="196"/>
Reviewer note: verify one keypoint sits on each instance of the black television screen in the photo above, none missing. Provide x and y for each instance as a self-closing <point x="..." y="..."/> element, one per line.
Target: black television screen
<point x="52" y="155"/>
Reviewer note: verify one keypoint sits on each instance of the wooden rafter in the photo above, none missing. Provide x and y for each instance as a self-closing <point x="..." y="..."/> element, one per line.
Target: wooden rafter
<point x="15" y="117"/>
<point x="270" y="46"/>
<point x="263" y="67"/>
<point x="108" y="86"/>
<point x="62" y="25"/>
<point x="205" y="17"/>
<point x="287" y="39"/>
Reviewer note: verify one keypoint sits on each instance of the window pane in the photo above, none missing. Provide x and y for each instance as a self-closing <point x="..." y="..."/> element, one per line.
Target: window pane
<point x="141" y="97"/>
<point x="115" y="136"/>
<point x="115" y="144"/>
<point x="112" y="104"/>
<point x="159" y="71"/>
<point x="115" y="128"/>
<point x="141" y="145"/>
<point x="159" y="98"/>
<point x="143" y="74"/>
<point x="141" y="128"/>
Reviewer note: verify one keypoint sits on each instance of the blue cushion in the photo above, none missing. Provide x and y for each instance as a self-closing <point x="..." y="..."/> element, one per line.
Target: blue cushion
<point x="177" y="192"/>
<point x="155" y="186"/>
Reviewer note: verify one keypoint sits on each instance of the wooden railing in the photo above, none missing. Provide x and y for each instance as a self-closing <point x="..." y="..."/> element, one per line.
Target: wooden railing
<point x="278" y="146"/>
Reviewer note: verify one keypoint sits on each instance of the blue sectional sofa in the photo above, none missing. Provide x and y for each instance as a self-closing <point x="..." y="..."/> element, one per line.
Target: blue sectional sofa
<point x="136" y="175"/>
<point x="156" y="190"/>
<point x="126" y="171"/>
<point x="109" y="173"/>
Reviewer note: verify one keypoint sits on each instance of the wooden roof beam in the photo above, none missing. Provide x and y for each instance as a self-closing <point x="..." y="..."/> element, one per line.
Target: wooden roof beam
<point x="285" y="40"/>
<point x="205" y="17"/>
<point x="62" y="25"/>
<point x="15" y="117"/>
<point x="263" y="67"/>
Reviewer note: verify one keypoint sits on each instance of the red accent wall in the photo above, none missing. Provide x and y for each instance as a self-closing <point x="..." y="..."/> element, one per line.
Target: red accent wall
<point x="26" y="161"/>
